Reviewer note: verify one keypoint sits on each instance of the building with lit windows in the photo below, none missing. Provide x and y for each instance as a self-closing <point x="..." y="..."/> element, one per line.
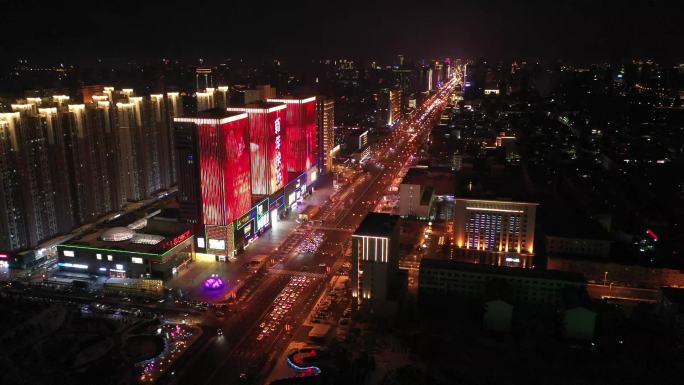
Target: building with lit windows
<point x="267" y="144"/>
<point x="375" y="263"/>
<point x="130" y="148"/>
<point x="502" y="232"/>
<point x="205" y="100"/>
<point x="325" y="117"/>
<point x="394" y="107"/>
<point x="73" y="163"/>
<point x="174" y="109"/>
<point x="301" y="141"/>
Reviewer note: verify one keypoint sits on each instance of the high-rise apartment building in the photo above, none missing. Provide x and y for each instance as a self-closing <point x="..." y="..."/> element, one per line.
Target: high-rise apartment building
<point x="174" y="109"/>
<point x="130" y="151"/>
<point x="64" y="164"/>
<point x="388" y="107"/>
<point x="205" y="99"/>
<point x="325" y="117"/>
<point x="394" y="107"/>
<point x="13" y="230"/>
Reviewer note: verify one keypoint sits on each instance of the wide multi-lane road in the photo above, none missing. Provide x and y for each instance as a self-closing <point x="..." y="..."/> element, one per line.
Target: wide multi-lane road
<point x="245" y="353"/>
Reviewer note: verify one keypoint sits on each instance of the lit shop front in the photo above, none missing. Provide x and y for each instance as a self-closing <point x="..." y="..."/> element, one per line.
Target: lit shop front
<point x="252" y="224"/>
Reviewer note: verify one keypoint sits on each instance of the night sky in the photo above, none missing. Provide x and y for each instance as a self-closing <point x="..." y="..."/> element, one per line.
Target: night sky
<point x="576" y="31"/>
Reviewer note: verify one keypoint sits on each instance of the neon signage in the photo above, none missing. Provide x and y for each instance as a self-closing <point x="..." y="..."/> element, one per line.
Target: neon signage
<point x="243" y="220"/>
<point x="175" y="241"/>
<point x="278" y="154"/>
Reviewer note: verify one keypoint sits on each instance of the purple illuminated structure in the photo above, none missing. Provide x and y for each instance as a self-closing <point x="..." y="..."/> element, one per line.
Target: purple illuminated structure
<point x="214" y="282"/>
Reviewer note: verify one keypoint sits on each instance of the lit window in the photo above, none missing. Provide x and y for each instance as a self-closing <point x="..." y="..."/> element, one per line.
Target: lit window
<point x="137" y="260"/>
<point x="119" y="267"/>
<point x="218" y="244"/>
<point x="98" y="256"/>
<point x="110" y="258"/>
<point x="68" y="253"/>
<point x="200" y="242"/>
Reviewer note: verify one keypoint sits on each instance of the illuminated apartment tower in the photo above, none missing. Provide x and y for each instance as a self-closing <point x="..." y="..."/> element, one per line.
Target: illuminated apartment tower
<point x="51" y="122"/>
<point x="394" y="107"/>
<point x="102" y="119"/>
<point x="203" y="78"/>
<point x="301" y="140"/>
<point x="91" y="157"/>
<point x="147" y="142"/>
<point x="222" y="97"/>
<point x="267" y="132"/>
<point x="205" y="100"/>
<point x="325" y="117"/>
<point x="375" y="262"/>
<point x="174" y="109"/>
<point x="162" y="134"/>
<point x="501" y="231"/>
<point x="223" y="160"/>
<point x="30" y="149"/>
<point x="13" y="229"/>
<point x="129" y="146"/>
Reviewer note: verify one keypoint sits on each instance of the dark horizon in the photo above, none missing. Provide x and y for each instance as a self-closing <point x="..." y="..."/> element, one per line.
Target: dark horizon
<point x="575" y="32"/>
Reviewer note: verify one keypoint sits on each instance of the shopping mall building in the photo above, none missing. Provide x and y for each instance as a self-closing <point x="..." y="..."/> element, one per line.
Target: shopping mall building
<point x="244" y="168"/>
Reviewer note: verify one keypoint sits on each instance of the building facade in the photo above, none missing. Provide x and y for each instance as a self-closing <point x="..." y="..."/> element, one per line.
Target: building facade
<point x="375" y="262"/>
<point x="267" y="129"/>
<point x="325" y="117"/>
<point x="301" y="142"/>
<point x="503" y="230"/>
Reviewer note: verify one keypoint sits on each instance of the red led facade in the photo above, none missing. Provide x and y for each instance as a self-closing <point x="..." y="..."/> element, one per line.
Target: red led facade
<point x="309" y="124"/>
<point x="301" y="136"/>
<point x="267" y="128"/>
<point x="224" y="168"/>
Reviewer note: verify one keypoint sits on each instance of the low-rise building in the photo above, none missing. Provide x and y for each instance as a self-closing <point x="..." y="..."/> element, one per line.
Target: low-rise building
<point x="469" y="280"/>
<point x="375" y="263"/>
<point x="147" y="248"/>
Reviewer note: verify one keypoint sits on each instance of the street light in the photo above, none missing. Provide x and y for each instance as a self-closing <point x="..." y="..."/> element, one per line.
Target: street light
<point x="605" y="278"/>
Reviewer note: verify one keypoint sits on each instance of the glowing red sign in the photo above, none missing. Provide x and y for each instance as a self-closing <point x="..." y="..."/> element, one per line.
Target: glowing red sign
<point x="4" y="256"/>
<point x="652" y="234"/>
<point x="175" y="241"/>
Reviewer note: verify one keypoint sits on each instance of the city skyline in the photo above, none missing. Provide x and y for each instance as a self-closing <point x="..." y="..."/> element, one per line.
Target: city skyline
<point x="341" y="193"/>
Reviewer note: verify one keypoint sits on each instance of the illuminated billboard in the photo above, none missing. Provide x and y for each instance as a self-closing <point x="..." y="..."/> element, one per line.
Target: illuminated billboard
<point x="301" y="138"/>
<point x="267" y="145"/>
<point x="224" y="159"/>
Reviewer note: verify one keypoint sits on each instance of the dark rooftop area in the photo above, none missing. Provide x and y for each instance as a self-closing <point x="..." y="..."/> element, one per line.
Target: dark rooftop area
<point x="213" y="113"/>
<point x="489" y="269"/>
<point x="377" y="224"/>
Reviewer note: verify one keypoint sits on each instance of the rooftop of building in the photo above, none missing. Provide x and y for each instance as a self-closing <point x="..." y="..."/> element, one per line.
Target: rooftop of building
<point x="297" y="96"/>
<point x="501" y="270"/>
<point x="572" y="225"/>
<point x="442" y="181"/>
<point x="673" y="294"/>
<point x="493" y="182"/>
<point x="378" y="224"/>
<point x="212" y="113"/>
<point x="145" y="231"/>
